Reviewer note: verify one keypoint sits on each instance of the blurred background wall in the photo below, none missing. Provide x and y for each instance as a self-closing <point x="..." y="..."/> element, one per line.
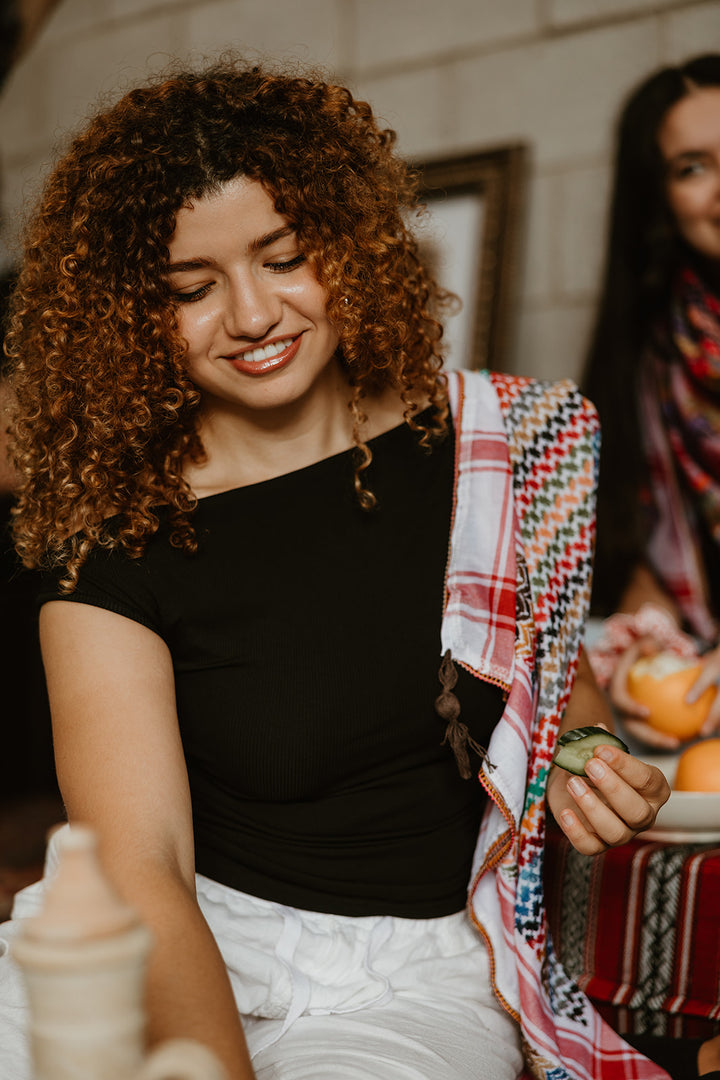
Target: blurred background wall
<point x="451" y="76"/>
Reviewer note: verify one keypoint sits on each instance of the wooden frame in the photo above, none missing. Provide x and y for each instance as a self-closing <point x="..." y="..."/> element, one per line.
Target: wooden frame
<point x="469" y="236"/>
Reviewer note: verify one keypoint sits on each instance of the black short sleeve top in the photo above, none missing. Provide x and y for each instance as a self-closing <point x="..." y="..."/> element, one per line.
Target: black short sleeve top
<point x="305" y="637"/>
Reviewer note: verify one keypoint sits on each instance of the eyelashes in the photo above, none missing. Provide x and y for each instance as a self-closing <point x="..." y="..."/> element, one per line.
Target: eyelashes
<point x="280" y="267"/>
<point x="284" y="267"/>
<point x="683" y="169"/>
<point x="191" y="297"/>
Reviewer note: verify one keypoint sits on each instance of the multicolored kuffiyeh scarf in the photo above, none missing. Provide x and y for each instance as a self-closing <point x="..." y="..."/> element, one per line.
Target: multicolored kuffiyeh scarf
<point x="680" y="411"/>
<point x="518" y="588"/>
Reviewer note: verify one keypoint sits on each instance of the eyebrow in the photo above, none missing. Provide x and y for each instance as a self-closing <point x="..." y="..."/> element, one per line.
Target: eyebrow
<point x="682" y="154"/>
<point x="259" y="244"/>
<point x="191" y="264"/>
<point x="270" y="238"/>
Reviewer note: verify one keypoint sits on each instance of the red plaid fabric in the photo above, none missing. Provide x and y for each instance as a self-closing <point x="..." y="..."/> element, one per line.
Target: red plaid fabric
<point x="479" y="620"/>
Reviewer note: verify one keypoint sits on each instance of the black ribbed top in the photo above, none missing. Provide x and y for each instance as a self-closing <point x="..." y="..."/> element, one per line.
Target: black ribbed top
<point x="306" y="641"/>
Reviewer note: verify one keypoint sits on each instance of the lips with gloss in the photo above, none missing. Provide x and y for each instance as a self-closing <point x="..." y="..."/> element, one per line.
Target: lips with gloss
<point x="258" y="362"/>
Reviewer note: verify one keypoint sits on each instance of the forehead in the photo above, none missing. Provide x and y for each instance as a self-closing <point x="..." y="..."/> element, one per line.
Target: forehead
<point x="692" y="124"/>
<point x="240" y="209"/>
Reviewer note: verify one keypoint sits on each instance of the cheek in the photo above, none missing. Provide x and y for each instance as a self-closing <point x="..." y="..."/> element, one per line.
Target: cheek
<point x="689" y="203"/>
<point x="307" y="293"/>
<point x="321" y="303"/>
<point x="195" y="326"/>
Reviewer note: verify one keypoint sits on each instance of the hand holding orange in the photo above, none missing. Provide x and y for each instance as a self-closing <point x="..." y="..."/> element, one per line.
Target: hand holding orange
<point x="660" y="682"/>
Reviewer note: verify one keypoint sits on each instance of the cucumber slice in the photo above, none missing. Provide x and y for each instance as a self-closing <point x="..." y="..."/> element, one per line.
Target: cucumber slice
<point x="576" y="747"/>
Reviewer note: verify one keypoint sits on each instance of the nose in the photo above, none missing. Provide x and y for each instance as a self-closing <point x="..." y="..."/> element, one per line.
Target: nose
<point x="252" y="309"/>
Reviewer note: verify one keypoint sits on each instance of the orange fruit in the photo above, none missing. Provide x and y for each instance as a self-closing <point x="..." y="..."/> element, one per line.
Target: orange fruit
<point x="698" y="767"/>
<point x="661" y="682"/>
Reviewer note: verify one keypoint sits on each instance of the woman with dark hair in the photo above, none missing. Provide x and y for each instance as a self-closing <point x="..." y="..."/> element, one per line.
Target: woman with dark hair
<point x="653" y="371"/>
<point x="296" y="601"/>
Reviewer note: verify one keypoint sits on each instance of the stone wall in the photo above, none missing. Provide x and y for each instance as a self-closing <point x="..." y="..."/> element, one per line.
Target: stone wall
<point x="451" y="76"/>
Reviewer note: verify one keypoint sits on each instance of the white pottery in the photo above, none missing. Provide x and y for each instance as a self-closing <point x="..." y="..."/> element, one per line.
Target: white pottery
<point x="83" y="960"/>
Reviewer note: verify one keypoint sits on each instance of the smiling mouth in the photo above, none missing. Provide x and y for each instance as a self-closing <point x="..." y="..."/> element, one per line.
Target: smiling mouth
<point x="266" y="357"/>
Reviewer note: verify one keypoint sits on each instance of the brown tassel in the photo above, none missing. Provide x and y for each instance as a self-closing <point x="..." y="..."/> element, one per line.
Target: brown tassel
<point x="447" y="707"/>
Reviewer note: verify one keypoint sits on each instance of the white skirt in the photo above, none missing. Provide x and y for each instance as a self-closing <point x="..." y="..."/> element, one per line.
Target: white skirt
<point x="330" y="997"/>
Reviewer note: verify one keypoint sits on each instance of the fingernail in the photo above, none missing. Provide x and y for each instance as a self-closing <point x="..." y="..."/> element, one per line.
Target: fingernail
<point x="595" y="769"/>
<point x="577" y="786"/>
<point x="605" y="752"/>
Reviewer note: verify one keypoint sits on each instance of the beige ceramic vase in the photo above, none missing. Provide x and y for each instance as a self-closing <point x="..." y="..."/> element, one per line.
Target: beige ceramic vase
<point x="83" y="959"/>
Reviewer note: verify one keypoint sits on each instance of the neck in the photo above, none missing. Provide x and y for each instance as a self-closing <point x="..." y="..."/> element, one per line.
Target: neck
<point x="248" y="446"/>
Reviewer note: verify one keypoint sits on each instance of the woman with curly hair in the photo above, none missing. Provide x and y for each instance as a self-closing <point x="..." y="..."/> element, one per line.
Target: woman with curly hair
<point x="296" y="601"/>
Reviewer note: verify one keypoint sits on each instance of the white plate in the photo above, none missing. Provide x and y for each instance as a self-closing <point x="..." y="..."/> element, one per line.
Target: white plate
<point x="687" y="816"/>
<point x="681" y="836"/>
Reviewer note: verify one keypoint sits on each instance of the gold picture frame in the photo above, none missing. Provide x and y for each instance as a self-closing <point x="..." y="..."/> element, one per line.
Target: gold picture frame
<point x="469" y="235"/>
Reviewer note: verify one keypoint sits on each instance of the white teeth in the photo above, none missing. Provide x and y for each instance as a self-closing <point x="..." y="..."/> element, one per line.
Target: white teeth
<point x="266" y="352"/>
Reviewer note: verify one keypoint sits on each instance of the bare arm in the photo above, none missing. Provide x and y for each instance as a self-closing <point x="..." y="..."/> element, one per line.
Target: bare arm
<point x="121" y="769"/>
<point x="622" y="795"/>
<point x="644" y="588"/>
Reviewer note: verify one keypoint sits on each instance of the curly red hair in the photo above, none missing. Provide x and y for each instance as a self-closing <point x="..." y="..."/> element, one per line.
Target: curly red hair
<point x="106" y="413"/>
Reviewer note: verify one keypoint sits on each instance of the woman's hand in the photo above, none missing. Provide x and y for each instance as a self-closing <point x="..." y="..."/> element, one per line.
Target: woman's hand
<point x="620" y="797"/>
<point x="634" y="714"/>
<point x="621" y="794"/>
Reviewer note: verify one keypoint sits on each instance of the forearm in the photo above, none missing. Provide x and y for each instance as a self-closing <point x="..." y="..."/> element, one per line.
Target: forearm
<point x="121" y="769"/>
<point x="644" y="588"/>
<point x="188" y="992"/>
<point x="587" y="706"/>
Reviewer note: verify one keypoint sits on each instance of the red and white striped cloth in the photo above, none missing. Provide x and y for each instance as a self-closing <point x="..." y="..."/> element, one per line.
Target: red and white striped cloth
<point x="637" y="926"/>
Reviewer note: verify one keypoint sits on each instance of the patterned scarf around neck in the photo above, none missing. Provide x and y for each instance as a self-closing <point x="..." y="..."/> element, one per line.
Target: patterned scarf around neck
<point x="680" y="403"/>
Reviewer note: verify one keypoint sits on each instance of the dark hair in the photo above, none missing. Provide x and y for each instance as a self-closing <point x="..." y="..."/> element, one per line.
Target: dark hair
<point x="644" y="250"/>
<point x="7" y="284"/>
<point x="107" y="413"/>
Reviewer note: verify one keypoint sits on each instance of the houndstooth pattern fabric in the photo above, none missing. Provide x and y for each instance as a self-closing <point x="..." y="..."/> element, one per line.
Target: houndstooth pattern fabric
<point x="551" y="442"/>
